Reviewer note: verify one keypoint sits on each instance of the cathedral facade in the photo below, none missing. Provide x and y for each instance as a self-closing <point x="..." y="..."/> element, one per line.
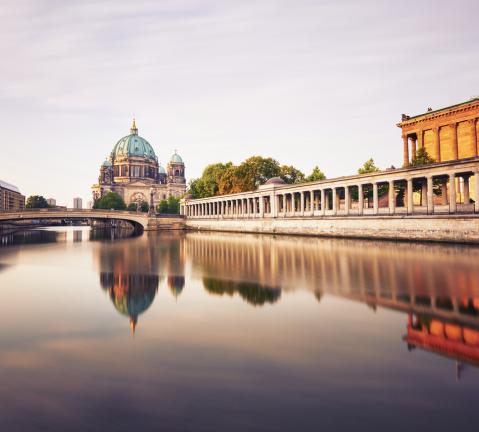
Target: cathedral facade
<point x="133" y="172"/>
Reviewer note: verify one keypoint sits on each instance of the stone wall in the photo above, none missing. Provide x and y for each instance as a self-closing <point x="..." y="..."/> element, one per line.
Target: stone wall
<point x="411" y="228"/>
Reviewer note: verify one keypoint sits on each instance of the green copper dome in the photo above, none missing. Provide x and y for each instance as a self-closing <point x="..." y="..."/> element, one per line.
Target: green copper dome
<point x="176" y="158"/>
<point x="134" y="145"/>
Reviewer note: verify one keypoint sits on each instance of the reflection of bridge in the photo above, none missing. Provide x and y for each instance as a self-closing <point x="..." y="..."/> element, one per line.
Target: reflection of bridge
<point x="140" y="221"/>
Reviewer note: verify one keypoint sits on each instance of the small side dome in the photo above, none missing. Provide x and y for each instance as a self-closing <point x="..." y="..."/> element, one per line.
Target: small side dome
<point x="176" y="158"/>
<point x="106" y="164"/>
<point x="161" y="170"/>
<point x="275" y="180"/>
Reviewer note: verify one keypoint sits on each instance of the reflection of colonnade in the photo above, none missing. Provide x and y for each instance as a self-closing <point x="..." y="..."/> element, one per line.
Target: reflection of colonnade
<point x="438" y="285"/>
<point x="446" y="188"/>
<point x="423" y="278"/>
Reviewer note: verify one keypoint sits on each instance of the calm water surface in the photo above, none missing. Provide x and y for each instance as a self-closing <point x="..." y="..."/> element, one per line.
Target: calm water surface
<point x="205" y="332"/>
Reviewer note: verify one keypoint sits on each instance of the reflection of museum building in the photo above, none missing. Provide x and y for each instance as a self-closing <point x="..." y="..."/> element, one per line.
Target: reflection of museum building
<point x="133" y="172"/>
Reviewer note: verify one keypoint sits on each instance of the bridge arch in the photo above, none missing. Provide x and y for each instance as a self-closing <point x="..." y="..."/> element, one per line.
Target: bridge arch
<point x="139" y="221"/>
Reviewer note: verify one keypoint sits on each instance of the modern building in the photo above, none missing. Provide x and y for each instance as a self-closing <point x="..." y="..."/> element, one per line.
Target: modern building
<point x="52" y="202"/>
<point x="77" y="203"/>
<point x="447" y="134"/>
<point x="10" y="197"/>
<point x="132" y="171"/>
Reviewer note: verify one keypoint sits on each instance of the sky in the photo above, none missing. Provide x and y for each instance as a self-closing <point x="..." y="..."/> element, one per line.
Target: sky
<point x="307" y="82"/>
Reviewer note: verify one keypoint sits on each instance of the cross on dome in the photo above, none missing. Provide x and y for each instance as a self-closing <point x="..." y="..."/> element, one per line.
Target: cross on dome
<point x="134" y="129"/>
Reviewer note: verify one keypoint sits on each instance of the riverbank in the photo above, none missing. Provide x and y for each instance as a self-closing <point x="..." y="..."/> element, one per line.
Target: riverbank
<point x="446" y="228"/>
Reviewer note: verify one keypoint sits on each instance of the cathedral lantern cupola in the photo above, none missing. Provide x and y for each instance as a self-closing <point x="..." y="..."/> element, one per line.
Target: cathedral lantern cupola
<point x="176" y="169"/>
<point x="133" y="129"/>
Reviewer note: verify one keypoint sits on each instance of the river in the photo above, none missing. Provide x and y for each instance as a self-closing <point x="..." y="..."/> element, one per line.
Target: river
<point x="208" y="331"/>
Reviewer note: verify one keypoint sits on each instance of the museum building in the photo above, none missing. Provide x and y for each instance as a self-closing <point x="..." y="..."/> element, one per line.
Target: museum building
<point x="133" y="172"/>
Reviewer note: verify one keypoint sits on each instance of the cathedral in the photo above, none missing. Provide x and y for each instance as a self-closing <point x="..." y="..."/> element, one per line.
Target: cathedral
<point x="133" y="172"/>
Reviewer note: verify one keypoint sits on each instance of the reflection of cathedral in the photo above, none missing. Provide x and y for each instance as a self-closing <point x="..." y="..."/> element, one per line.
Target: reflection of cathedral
<point x="132" y="171"/>
<point x="131" y="294"/>
<point x="131" y="271"/>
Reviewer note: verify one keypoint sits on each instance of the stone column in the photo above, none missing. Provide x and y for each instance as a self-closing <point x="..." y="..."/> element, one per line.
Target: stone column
<point x="302" y="203"/>
<point x="452" y="193"/>
<point x="413" y="147"/>
<point x="273" y="205"/>
<point x="467" y="198"/>
<point x="474" y="136"/>
<point x="406" y="150"/>
<point x="375" y="199"/>
<point x="424" y="193"/>
<point x="455" y="150"/>
<point x="323" y="202"/>
<point x="391" y="198"/>
<point x="420" y="139"/>
<point x="361" y="199"/>
<point x="437" y="143"/>
<point x="347" y="200"/>
<point x="335" y="201"/>
<point x="430" y="195"/>
<point x="261" y="206"/>
<point x="410" y="202"/>
<point x="311" y="201"/>
<point x="444" y="192"/>
<point x="476" y="191"/>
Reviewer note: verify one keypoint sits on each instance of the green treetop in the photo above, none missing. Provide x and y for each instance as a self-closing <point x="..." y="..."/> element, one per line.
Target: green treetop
<point x="110" y="201"/>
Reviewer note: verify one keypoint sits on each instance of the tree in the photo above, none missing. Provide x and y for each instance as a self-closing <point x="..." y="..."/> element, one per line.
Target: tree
<point x="132" y="207"/>
<point x="170" y="206"/>
<point x="422" y="157"/>
<point x="144" y="207"/>
<point x="315" y="175"/>
<point x="290" y="174"/>
<point x="221" y="179"/>
<point x="173" y="205"/>
<point x="209" y="183"/>
<point x="162" y="207"/>
<point x="368" y="167"/>
<point x="36" y="202"/>
<point x="110" y="201"/>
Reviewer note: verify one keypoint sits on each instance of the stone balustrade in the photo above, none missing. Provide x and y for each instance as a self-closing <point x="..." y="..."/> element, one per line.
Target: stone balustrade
<point x="441" y="188"/>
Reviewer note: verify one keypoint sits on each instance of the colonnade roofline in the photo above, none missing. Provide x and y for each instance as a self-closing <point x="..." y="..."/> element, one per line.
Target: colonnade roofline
<point x="393" y="174"/>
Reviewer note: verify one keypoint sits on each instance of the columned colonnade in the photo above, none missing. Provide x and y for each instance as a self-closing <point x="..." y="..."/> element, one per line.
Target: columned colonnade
<point x="434" y="189"/>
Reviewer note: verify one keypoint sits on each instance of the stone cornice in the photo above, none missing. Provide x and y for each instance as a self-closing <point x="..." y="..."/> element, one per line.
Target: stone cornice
<point x="442" y="113"/>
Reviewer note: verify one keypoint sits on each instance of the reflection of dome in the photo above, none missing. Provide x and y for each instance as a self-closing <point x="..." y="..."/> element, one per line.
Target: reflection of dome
<point x="176" y="284"/>
<point x="176" y="158"/>
<point x="131" y="294"/>
<point x="134" y="145"/>
<point x="275" y="180"/>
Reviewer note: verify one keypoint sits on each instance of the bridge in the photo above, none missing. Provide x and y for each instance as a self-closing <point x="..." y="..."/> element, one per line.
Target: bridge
<point x="139" y="221"/>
